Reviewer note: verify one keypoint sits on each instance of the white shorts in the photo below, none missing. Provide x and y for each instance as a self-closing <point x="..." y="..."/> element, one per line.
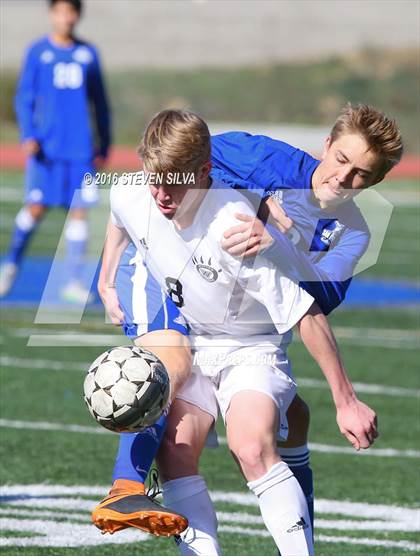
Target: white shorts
<point x="213" y="394"/>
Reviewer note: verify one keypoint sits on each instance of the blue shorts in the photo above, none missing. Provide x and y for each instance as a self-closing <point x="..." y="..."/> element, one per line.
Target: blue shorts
<point x="59" y="183"/>
<point x="145" y="306"/>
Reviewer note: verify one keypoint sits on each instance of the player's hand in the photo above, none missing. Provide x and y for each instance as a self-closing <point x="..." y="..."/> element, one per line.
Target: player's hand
<point x="271" y="211"/>
<point x="31" y="147"/>
<point x="109" y="298"/>
<point x="246" y="239"/>
<point x="358" y="423"/>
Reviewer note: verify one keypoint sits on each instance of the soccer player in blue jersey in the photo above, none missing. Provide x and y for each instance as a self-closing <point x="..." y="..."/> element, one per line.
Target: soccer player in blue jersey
<point x="331" y="235"/>
<point x="61" y="81"/>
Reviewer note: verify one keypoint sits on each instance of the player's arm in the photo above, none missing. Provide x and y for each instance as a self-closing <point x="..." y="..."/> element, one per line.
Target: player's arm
<point x="288" y="305"/>
<point x="356" y="421"/>
<point x="25" y="103"/>
<point x="116" y="241"/>
<point x="102" y="111"/>
<point x="326" y="280"/>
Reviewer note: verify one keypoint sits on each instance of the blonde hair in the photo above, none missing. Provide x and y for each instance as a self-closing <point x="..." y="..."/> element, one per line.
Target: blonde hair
<point x="380" y="132"/>
<point x="175" y="140"/>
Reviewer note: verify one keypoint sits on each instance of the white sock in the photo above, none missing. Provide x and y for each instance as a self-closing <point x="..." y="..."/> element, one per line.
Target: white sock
<point x="189" y="497"/>
<point x="284" y="510"/>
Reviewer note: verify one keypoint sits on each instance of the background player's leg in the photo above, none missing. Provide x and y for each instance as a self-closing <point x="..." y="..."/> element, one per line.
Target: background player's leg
<point x="295" y="452"/>
<point x="252" y="440"/>
<point x="78" y="197"/>
<point x="76" y="233"/>
<point x="184" y="490"/>
<point x="26" y="222"/>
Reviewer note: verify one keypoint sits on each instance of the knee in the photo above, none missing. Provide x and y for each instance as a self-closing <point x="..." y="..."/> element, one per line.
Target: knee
<point x="36" y="211"/>
<point x="255" y="457"/>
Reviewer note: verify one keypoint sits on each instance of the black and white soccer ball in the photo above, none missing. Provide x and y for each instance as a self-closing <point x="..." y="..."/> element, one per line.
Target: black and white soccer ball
<point x="126" y="389"/>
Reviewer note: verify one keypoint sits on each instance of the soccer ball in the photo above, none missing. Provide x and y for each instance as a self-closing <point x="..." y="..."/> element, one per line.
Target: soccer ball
<point x="126" y="389"/>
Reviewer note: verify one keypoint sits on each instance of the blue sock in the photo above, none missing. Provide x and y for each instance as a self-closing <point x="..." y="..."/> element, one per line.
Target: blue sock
<point x="25" y="226"/>
<point x="298" y="461"/>
<point x="76" y="240"/>
<point x="137" y="452"/>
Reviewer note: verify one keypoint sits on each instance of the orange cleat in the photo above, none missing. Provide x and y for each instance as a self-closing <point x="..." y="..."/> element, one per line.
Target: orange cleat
<point x="127" y="505"/>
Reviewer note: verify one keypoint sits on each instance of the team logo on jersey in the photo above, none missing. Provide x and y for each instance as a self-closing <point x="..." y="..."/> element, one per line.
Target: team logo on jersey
<point x="205" y="270"/>
<point x="82" y="55"/>
<point x="47" y="57"/>
<point x="277" y="195"/>
<point x="330" y="236"/>
<point x="143" y="243"/>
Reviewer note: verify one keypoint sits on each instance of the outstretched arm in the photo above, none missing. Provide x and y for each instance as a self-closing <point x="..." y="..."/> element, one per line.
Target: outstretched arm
<point x="356" y="421"/>
<point x="116" y="241"/>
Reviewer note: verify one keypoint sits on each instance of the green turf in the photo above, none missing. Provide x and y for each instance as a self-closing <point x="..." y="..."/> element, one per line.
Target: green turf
<point x="74" y="458"/>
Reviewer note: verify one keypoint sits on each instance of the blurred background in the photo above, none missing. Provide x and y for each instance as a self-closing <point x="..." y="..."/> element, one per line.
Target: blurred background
<point x="283" y="68"/>
<point x="260" y="62"/>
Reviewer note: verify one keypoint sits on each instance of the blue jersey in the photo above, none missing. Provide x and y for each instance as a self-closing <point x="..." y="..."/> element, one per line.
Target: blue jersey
<point x="325" y="246"/>
<point x="56" y="89"/>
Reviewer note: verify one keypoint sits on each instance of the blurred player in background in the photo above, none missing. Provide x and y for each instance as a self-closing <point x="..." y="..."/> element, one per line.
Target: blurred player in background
<point x="61" y="81"/>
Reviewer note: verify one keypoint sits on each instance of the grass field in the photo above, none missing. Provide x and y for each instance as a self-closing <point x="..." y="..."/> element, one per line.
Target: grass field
<point x="56" y="463"/>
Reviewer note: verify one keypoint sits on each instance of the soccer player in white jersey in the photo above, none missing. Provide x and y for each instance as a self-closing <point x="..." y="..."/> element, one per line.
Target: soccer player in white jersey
<point x="238" y="315"/>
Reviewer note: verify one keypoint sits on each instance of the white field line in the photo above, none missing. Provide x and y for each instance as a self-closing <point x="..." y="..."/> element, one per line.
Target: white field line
<point x="43" y="513"/>
<point x="314" y="447"/>
<point x="47" y="426"/>
<point x="363" y="388"/>
<point x="45" y="364"/>
<point x="61" y="534"/>
<point x="48" y="364"/>
<point x="403" y="545"/>
<point x="77" y="339"/>
<point x="385" y="337"/>
<point x="36" y="501"/>
<point x="338" y="524"/>
<point x="353" y="336"/>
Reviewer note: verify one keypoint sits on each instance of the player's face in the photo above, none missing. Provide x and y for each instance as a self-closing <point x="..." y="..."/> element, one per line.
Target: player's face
<point x="180" y="199"/>
<point x="63" y="18"/>
<point x="347" y="167"/>
<point x="169" y="198"/>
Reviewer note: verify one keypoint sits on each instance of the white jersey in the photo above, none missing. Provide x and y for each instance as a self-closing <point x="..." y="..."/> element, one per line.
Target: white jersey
<point x="225" y="300"/>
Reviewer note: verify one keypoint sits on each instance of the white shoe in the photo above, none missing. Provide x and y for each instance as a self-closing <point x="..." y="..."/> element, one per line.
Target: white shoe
<point x="8" y="273"/>
<point x="77" y="294"/>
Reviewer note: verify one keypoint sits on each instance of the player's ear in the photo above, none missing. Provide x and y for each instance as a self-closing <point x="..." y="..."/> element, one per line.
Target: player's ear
<point x="204" y="171"/>
<point x="327" y="145"/>
<point x="378" y="178"/>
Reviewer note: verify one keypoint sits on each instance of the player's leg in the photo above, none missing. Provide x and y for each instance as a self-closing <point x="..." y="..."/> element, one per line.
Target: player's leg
<point x="184" y="489"/>
<point x="153" y="322"/>
<point x="252" y="437"/>
<point x="127" y="505"/>
<point x="39" y="173"/>
<point x="137" y="450"/>
<point x="78" y="198"/>
<point x="295" y="452"/>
